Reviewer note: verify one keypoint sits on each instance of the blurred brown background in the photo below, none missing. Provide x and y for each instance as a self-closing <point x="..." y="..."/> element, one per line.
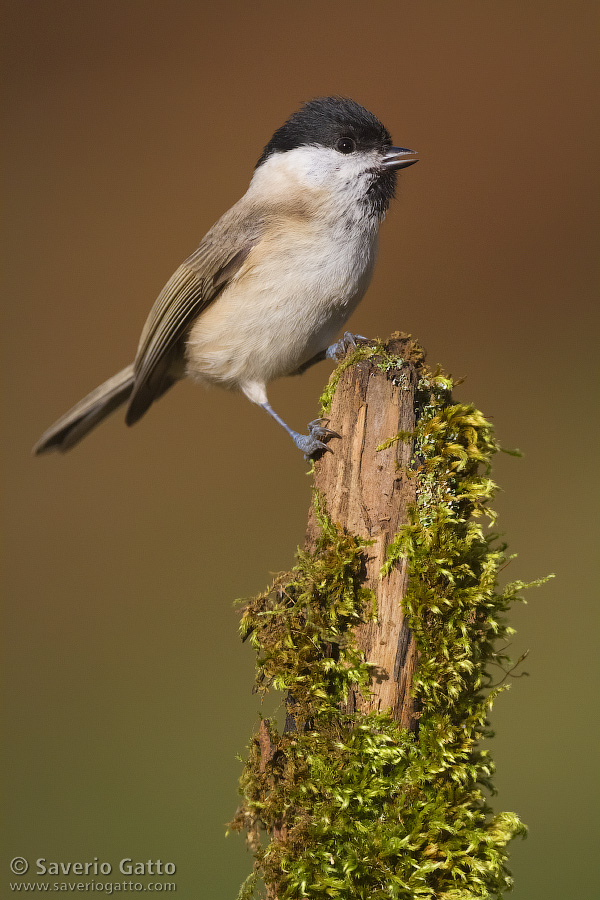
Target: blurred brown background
<point x="129" y="127"/>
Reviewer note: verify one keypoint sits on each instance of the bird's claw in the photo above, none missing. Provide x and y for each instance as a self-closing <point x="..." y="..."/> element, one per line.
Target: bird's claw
<point x="317" y="429"/>
<point x="313" y="443"/>
<point x="348" y="342"/>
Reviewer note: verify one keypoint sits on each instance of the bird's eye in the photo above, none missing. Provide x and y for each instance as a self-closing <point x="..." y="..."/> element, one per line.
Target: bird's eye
<point x="346" y="145"/>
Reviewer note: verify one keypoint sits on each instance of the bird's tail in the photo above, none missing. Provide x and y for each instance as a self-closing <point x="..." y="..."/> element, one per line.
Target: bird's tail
<point x="85" y="415"/>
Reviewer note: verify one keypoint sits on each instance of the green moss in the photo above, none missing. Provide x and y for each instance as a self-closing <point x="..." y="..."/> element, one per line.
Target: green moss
<point x="363" y="352"/>
<point x="302" y="626"/>
<point x="404" y="436"/>
<point x="384" y="359"/>
<point x="361" y="808"/>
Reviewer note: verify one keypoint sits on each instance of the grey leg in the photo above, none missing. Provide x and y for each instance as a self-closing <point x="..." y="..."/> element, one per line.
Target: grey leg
<point x="311" y="443"/>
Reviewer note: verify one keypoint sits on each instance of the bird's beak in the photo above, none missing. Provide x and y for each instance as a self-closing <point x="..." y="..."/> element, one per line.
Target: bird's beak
<point x="396" y="158"/>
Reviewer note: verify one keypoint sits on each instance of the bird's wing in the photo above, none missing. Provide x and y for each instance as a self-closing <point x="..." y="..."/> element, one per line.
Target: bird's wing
<point x="195" y="284"/>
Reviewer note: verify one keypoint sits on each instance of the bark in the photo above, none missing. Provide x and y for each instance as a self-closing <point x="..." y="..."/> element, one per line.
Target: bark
<point x="367" y="491"/>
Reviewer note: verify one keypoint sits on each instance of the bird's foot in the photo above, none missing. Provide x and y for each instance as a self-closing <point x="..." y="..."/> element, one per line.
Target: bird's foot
<point x="348" y="342"/>
<point x="314" y="443"/>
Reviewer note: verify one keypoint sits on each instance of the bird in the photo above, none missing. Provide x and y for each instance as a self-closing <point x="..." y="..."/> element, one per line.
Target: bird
<point x="273" y="281"/>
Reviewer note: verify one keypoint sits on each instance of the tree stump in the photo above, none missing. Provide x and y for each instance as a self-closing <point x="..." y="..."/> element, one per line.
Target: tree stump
<point x="366" y="489"/>
<point x="356" y="800"/>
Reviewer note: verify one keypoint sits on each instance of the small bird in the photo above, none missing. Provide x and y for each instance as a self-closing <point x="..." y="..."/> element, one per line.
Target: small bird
<point x="273" y="281"/>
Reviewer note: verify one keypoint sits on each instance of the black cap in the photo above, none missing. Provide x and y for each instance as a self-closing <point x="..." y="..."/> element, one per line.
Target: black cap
<point x="325" y="121"/>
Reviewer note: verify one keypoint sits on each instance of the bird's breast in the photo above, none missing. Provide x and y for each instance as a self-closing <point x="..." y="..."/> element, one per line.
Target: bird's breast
<point x="288" y="301"/>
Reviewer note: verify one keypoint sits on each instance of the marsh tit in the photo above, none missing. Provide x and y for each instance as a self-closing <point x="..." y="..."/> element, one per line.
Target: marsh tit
<point x="273" y="281"/>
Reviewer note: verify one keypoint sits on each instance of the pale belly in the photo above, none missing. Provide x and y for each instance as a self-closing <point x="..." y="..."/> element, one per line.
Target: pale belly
<point x="271" y="319"/>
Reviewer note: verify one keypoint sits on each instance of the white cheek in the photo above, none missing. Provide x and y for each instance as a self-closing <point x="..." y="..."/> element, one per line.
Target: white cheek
<point x="312" y="168"/>
<point x="316" y="166"/>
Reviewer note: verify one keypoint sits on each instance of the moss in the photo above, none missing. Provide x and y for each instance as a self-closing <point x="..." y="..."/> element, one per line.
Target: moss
<point x="349" y="360"/>
<point x="351" y="805"/>
<point x="302" y="626"/>
<point x="404" y="436"/>
<point x="385" y="362"/>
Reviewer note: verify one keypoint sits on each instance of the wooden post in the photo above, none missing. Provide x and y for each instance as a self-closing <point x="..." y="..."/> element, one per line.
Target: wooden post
<point x="333" y="785"/>
<point x="367" y="491"/>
